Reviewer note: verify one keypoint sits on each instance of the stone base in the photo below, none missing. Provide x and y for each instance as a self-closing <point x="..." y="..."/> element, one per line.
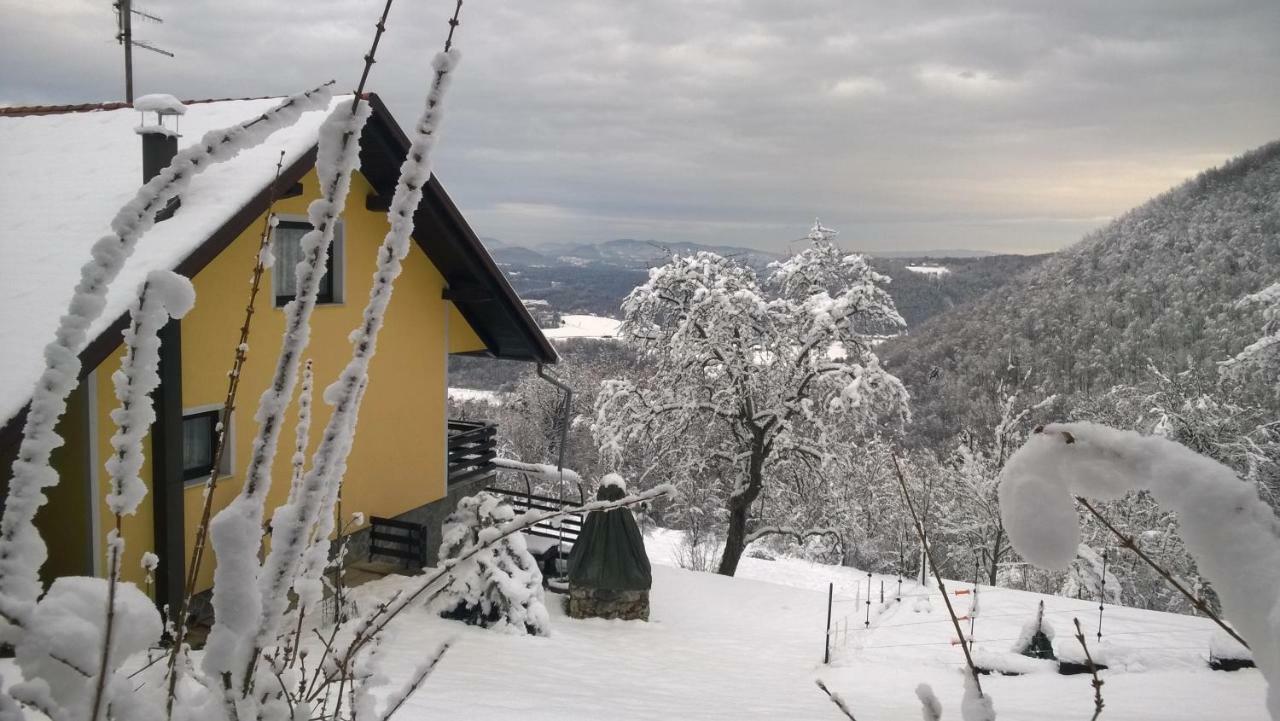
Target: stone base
<point x="599" y="603"/>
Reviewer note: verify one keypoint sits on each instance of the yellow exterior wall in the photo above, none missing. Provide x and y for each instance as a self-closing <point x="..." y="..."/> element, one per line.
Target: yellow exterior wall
<point x="398" y="461"/>
<point x="66" y="513"/>
<point x="137" y="530"/>
<point x="462" y="337"/>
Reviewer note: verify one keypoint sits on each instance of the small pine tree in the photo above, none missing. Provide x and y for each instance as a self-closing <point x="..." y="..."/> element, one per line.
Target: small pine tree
<point x="499" y="587"/>
<point x="1036" y="640"/>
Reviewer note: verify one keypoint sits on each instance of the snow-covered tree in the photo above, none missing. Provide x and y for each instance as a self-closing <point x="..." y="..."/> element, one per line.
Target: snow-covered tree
<point x="969" y="507"/>
<point x="1263" y="355"/>
<point x="745" y="375"/>
<point x="501" y="586"/>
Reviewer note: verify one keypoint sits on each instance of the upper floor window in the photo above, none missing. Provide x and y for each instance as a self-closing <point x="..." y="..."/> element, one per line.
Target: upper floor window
<point x="286" y="240"/>
<point x="199" y="443"/>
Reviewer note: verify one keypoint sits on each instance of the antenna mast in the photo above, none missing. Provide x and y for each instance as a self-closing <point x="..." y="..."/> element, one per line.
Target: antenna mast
<point x="124" y="35"/>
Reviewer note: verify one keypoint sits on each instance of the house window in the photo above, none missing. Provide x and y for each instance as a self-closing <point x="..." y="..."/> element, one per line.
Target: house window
<point x="199" y="442"/>
<point x="286" y="240"/>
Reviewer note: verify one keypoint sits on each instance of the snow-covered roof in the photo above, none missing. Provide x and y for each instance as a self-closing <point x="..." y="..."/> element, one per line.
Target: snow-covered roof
<point x="67" y="175"/>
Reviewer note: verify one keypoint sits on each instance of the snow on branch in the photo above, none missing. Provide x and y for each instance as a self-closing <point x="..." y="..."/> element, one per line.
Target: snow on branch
<point x="544" y="471"/>
<point x="294" y="521"/>
<point x="22" y="551"/>
<point x="1233" y="536"/>
<point x="799" y="536"/>
<point x="164" y="295"/>
<point x="236" y="531"/>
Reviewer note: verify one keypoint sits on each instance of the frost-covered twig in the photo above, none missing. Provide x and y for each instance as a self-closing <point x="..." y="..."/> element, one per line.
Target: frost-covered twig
<point x="942" y="588"/>
<point x="1129" y="543"/>
<point x="1093" y="670"/>
<point x="836" y="699"/>
<point x="163" y="295"/>
<point x="236" y="530"/>
<point x="22" y="551"/>
<point x="930" y="706"/>
<point x="1232" y="534"/>
<point x="262" y="261"/>
<point x="295" y="521"/>
<point x="395" y="702"/>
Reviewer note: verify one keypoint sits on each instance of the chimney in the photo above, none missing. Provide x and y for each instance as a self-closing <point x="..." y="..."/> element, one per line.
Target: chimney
<point x="159" y="141"/>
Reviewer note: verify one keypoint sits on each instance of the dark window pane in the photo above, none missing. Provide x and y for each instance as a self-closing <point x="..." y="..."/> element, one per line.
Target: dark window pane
<point x="197" y="444"/>
<point x="287" y="246"/>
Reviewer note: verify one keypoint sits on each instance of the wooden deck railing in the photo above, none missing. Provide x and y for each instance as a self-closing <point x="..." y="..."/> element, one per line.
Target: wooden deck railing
<point x="472" y="448"/>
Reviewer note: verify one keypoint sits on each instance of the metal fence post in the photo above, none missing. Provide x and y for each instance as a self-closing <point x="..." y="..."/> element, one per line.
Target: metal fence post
<point x="826" y="639"/>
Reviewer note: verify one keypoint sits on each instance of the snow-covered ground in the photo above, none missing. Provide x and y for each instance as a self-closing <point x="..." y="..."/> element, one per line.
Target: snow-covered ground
<point x="476" y="394"/>
<point x="751" y="647"/>
<point x="934" y="270"/>
<point x="584" y="326"/>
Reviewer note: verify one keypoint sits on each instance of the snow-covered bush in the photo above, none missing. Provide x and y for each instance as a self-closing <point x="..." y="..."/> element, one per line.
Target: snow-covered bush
<point x="1090" y="577"/>
<point x="1036" y="637"/>
<point x="1233" y="535"/>
<point x="500" y="587"/>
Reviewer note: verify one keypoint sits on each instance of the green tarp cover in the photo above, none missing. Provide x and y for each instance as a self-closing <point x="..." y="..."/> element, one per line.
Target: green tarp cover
<point x="609" y="553"/>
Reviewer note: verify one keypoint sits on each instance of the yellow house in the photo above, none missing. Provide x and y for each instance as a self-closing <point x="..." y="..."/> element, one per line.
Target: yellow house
<point x="69" y="168"/>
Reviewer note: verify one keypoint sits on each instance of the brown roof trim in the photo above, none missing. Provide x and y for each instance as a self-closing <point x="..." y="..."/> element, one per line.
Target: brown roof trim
<point x="437" y="208"/>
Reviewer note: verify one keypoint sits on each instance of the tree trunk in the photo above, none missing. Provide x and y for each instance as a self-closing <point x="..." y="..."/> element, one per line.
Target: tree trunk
<point x="735" y="541"/>
<point x="995" y="555"/>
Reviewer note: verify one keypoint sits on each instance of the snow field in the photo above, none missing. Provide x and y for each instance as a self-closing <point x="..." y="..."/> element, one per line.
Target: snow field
<point x="751" y="647"/>
<point x="584" y="326"/>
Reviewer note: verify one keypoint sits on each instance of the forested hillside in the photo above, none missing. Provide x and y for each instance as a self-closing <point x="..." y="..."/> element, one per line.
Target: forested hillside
<point x="1160" y="285"/>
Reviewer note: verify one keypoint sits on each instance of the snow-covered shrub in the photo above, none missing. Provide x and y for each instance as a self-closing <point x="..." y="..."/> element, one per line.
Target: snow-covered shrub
<point x="1233" y="535"/>
<point x="501" y="586"/>
<point x="1089" y="577"/>
<point x="698" y="551"/>
<point x="1036" y="638"/>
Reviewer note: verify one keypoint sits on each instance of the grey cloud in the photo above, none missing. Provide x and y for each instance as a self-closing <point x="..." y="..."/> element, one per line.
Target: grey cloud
<point x="1010" y="125"/>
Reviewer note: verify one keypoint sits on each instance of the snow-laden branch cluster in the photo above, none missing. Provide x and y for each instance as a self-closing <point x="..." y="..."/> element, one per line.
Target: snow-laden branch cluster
<point x="1233" y="535"/>
<point x="320" y="484"/>
<point x="22" y="551"/>
<point x="236" y="531"/>
<point x="1265" y="351"/>
<point x="164" y="295"/>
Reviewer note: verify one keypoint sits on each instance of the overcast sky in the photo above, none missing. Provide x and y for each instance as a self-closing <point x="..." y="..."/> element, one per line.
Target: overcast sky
<point x="1009" y="126"/>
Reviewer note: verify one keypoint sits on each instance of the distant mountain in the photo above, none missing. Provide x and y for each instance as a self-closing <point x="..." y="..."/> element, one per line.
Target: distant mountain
<point x="630" y="253"/>
<point x="1160" y="283"/>
<point x="954" y="253"/>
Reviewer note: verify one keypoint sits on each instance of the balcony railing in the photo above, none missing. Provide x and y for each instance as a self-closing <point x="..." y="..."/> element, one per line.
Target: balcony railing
<point x="472" y="448"/>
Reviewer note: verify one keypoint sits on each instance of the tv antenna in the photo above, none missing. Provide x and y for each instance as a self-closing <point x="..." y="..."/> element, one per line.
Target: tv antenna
<point x="124" y="35"/>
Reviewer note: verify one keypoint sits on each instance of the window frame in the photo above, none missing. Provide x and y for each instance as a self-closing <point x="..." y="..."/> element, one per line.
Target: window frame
<point x="215" y="414"/>
<point x="334" y="265"/>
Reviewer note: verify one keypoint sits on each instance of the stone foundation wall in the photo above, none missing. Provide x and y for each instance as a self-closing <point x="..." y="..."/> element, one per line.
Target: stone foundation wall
<point x="430" y="516"/>
<point x="600" y="603"/>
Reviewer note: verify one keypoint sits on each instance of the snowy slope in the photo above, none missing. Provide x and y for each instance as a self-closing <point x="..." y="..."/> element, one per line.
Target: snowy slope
<point x="751" y="647"/>
<point x="76" y="170"/>
<point x="584" y="326"/>
<point x="935" y="270"/>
